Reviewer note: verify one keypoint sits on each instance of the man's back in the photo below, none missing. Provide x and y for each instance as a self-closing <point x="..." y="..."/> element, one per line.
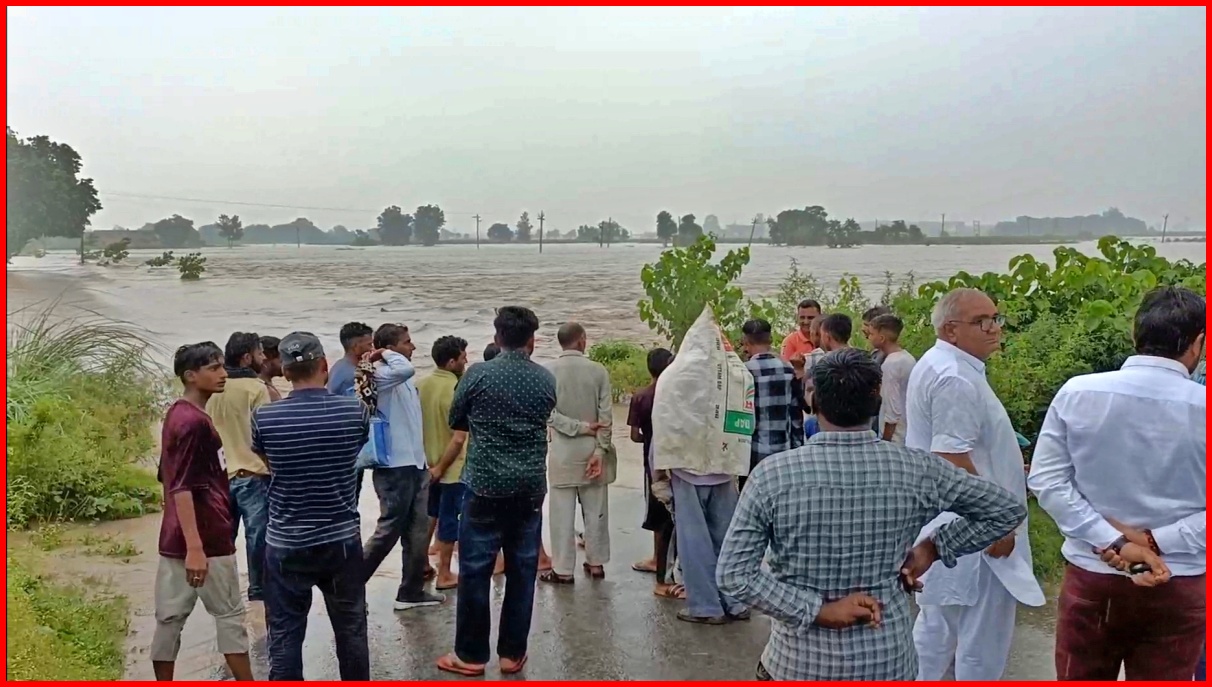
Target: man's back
<point x="341" y="377"/>
<point x="437" y="393"/>
<point x="311" y="439"/>
<point x="504" y="404"/>
<point x="840" y="515"/>
<point x="231" y="411"/>
<point x="775" y="406"/>
<point x="1134" y="441"/>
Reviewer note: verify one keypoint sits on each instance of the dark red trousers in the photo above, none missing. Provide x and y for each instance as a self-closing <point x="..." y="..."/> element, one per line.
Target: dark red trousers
<point x="1105" y="622"/>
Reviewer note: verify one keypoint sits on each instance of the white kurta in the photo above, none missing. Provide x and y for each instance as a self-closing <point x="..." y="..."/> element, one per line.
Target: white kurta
<point x="952" y="409"/>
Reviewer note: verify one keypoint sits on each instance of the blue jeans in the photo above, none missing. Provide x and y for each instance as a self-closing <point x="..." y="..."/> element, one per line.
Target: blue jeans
<point x="250" y="503"/>
<point x="1200" y="673"/>
<point x="488" y="525"/>
<point x="446" y="506"/>
<point x="701" y="516"/>
<point x="290" y="574"/>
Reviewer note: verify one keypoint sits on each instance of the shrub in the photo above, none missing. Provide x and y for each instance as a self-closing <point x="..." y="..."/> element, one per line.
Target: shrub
<point x="166" y="258"/>
<point x="57" y="632"/>
<point x="191" y="266"/>
<point x="81" y="396"/>
<point x="627" y="364"/>
<point x="684" y="280"/>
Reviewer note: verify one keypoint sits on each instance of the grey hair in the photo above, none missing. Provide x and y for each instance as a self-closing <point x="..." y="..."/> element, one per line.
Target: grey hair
<point x="948" y="307"/>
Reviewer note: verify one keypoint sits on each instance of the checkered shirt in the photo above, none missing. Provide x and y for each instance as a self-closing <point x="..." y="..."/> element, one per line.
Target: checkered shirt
<point x="839" y="516"/>
<point x="778" y="407"/>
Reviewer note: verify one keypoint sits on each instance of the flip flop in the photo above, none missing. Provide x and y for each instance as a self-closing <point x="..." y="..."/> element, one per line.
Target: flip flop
<point x="640" y="567"/>
<point x="551" y="577"/>
<point x="594" y="574"/>
<point x="673" y="591"/>
<point x="518" y="666"/>
<point x="451" y="664"/>
<point x="446" y="587"/>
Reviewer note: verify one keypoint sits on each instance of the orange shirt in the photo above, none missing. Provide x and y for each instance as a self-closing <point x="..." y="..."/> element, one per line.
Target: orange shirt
<point x="796" y="344"/>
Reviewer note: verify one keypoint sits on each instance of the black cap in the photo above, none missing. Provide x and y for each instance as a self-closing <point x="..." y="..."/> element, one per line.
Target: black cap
<point x="298" y="347"/>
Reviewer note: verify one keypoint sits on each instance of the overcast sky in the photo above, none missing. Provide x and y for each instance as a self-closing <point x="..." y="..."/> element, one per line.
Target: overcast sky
<point x="586" y="113"/>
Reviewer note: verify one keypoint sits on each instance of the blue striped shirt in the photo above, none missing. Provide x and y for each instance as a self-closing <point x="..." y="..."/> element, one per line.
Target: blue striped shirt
<point x="311" y="440"/>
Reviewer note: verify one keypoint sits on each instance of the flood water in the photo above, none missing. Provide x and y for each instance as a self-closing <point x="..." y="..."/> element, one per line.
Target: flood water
<point x="445" y="289"/>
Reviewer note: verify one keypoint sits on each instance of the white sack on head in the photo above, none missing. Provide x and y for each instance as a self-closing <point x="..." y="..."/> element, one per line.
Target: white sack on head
<point x="702" y="413"/>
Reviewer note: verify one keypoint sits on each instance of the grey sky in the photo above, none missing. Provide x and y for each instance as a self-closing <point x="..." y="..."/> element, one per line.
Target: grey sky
<point x="587" y="112"/>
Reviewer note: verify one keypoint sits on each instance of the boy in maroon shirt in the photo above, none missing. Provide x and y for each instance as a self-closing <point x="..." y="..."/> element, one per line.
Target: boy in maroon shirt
<point x="197" y="551"/>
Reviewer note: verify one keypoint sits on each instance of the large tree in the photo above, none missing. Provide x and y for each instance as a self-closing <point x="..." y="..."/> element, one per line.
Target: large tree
<point x="667" y="228"/>
<point x="428" y="223"/>
<point x="231" y="228"/>
<point x="177" y="232"/>
<point x="688" y="230"/>
<point x="500" y="232"/>
<point x="46" y="197"/>
<point x="524" y="228"/>
<point x="395" y="227"/>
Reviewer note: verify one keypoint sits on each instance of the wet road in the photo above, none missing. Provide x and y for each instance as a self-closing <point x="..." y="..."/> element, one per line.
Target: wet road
<point x="612" y="629"/>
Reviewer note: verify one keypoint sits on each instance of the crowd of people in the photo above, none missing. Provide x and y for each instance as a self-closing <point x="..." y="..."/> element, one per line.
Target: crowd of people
<point x="873" y="477"/>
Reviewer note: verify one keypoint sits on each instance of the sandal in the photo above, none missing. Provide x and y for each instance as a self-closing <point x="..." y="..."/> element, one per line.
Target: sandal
<point x="671" y="591"/>
<point x="685" y="616"/>
<point x="446" y="587"/>
<point x="551" y="577"/>
<point x="642" y="566"/>
<point x="450" y="663"/>
<point x="517" y="665"/>
<point x="594" y="572"/>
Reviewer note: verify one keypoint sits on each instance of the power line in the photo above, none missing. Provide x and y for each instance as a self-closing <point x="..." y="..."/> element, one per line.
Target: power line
<point x="211" y="201"/>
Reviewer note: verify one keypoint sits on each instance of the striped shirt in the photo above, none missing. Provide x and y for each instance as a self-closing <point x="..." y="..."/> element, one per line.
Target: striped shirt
<point x="311" y="440"/>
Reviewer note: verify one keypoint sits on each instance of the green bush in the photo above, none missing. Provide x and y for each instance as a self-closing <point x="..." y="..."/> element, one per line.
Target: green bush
<point x="627" y="363"/>
<point x="81" y="398"/>
<point x="57" y="632"/>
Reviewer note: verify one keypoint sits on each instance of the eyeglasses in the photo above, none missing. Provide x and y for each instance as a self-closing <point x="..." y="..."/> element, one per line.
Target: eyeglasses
<point x="986" y="324"/>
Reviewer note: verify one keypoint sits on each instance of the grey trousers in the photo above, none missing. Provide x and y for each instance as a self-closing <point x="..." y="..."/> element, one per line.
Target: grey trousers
<point x="701" y="519"/>
<point x="403" y="517"/>
<point x="175" y="600"/>
<point x="595" y="511"/>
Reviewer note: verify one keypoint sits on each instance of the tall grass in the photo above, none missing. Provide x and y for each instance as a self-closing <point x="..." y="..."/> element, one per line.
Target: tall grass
<point x="82" y="392"/>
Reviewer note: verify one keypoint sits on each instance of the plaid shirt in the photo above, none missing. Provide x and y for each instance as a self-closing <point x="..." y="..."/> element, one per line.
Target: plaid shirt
<point x="778" y="407"/>
<point x="838" y="516"/>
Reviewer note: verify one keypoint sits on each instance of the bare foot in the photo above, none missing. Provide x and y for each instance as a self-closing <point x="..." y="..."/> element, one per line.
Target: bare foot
<point x="446" y="581"/>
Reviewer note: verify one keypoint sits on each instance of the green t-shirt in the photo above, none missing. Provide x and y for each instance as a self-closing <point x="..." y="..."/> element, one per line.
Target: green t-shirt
<point x="436" y="392"/>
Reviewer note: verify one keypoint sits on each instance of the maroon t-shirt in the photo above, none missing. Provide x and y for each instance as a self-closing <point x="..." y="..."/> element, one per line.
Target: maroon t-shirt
<point x="639" y="415"/>
<point x="191" y="460"/>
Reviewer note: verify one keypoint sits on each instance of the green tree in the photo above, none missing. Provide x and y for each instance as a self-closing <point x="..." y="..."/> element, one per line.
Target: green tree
<point x="428" y="224"/>
<point x="688" y="232"/>
<point x="807" y="227"/>
<point x="667" y="228"/>
<point x="610" y="232"/>
<point x="46" y="197"/>
<point x="684" y="280"/>
<point x="177" y="232"/>
<point x="524" y="227"/>
<point x="231" y="228"/>
<point x="395" y="227"/>
<point x="500" y="232"/>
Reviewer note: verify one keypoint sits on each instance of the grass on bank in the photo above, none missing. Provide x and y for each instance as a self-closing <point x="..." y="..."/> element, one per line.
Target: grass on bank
<point x="60" y="632"/>
<point x="81" y="396"/>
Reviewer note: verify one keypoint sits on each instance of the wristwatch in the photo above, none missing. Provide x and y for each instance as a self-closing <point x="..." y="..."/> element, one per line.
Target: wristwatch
<point x="1118" y="544"/>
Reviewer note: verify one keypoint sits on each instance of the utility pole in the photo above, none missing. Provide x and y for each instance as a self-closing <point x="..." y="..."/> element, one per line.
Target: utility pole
<point x="942" y="226"/>
<point x="298" y="240"/>
<point x="1165" y="223"/>
<point x="752" y="231"/>
<point x="541" y="218"/>
<point x="477" y="231"/>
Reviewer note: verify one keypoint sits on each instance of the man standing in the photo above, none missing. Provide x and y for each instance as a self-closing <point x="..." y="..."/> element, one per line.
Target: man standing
<point x="657" y="518"/>
<point x="231" y="411"/>
<point x="836" y="330"/>
<point x="967" y="612"/>
<point x="778" y="401"/>
<point x="869" y="316"/>
<point x="800" y="343"/>
<point x="579" y="446"/>
<point x="271" y="369"/>
<point x="884" y="333"/>
<point x="1120" y="465"/>
<point x="837" y="517"/>
<point x="445" y="451"/>
<point x="357" y="340"/>
<point x="311" y="441"/>
<point x="504" y="404"/>
<point x="197" y="551"/>
<point x="403" y="484"/>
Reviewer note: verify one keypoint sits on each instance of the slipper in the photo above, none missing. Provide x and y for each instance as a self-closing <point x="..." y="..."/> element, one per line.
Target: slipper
<point x="599" y="574"/>
<point x="642" y="566"/>
<point x="550" y="576"/>
<point x="451" y="664"/>
<point x="742" y="616"/>
<point x="446" y="587"/>
<point x="684" y="615"/>
<point x="673" y="591"/>
<point x="517" y="666"/>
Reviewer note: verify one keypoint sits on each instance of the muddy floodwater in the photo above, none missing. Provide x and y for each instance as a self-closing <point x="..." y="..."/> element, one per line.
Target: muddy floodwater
<point x="445" y="289"/>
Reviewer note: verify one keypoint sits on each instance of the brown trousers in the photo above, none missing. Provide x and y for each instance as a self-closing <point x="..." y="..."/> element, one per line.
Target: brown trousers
<point x="1105" y="622"/>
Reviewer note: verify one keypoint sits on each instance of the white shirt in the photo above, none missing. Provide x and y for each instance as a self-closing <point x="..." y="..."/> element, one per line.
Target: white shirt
<point x="893" y="389"/>
<point x="951" y="408"/>
<point x="1128" y="445"/>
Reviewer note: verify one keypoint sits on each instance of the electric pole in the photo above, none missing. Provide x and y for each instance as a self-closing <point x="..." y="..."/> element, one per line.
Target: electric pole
<point x="477" y="231"/>
<point x="942" y="226"/>
<point x="541" y="218"/>
<point x="1165" y="223"/>
<point x="753" y="230"/>
<point x="298" y="240"/>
